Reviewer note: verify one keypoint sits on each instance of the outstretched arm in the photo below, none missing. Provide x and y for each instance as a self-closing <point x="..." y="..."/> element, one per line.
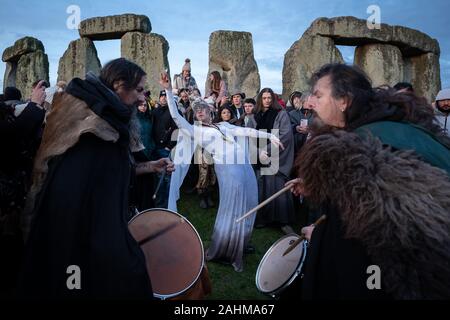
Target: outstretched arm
<point x="250" y="132"/>
<point x="180" y="121"/>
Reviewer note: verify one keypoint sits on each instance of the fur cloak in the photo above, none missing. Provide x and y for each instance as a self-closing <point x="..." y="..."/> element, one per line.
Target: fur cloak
<point x="393" y="205"/>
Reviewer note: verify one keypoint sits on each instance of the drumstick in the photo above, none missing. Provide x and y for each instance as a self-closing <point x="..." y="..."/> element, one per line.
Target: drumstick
<point x="161" y="179"/>
<point x="302" y="237"/>
<point x="159" y="184"/>
<point x="160" y="232"/>
<point x="262" y="204"/>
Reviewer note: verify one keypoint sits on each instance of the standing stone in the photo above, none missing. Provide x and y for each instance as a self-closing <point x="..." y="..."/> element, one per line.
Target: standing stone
<point x="148" y="51"/>
<point x="383" y="63"/>
<point x="305" y="57"/>
<point x="31" y="67"/>
<point x="114" y="27"/>
<point x="10" y="75"/>
<point x="423" y="72"/>
<point x="79" y="58"/>
<point x="231" y="53"/>
<point x="22" y="46"/>
<point x="351" y="31"/>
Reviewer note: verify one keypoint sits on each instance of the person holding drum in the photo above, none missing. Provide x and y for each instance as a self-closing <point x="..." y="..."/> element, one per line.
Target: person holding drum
<point x="79" y="245"/>
<point x="378" y="163"/>
<point x="235" y="176"/>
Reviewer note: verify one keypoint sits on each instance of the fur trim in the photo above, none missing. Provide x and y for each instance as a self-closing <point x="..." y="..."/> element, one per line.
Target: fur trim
<point x="69" y="119"/>
<point x="395" y="204"/>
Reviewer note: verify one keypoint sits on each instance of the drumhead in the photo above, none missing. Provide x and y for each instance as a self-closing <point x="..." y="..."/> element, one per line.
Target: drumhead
<point x="173" y="250"/>
<point x="275" y="272"/>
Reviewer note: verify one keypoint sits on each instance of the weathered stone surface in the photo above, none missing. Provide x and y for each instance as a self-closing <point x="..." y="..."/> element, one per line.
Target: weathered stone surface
<point x="352" y="31"/>
<point x="383" y="63"/>
<point x="21" y="47"/>
<point x="423" y="72"/>
<point x="231" y="53"/>
<point x="305" y="57"/>
<point x="150" y="52"/>
<point x="79" y="58"/>
<point x="114" y="27"/>
<point x="10" y="75"/>
<point x="31" y="67"/>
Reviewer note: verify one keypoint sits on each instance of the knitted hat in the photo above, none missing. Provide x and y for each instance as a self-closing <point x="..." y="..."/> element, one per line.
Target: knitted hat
<point x="444" y="94"/>
<point x="187" y="65"/>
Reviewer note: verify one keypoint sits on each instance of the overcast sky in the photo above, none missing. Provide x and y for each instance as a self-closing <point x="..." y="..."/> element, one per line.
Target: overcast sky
<point x="187" y="25"/>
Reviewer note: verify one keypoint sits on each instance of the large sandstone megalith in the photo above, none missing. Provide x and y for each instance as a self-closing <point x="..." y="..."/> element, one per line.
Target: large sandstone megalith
<point x="9" y="80"/>
<point x="79" y="58"/>
<point x="231" y="53"/>
<point x="150" y="52"/>
<point x="423" y="72"/>
<point x="22" y="46"/>
<point x="114" y="27"/>
<point x="31" y="67"/>
<point x="383" y="62"/>
<point x="303" y="59"/>
<point x="351" y="31"/>
<point x="26" y="62"/>
<point x="388" y="55"/>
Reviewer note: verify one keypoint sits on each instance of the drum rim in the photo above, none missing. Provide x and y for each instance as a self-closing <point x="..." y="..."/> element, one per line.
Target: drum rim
<point x="293" y="276"/>
<point x="168" y="296"/>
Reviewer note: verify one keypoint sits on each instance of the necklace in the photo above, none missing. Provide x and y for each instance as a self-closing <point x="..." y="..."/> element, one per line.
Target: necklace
<point x="213" y="125"/>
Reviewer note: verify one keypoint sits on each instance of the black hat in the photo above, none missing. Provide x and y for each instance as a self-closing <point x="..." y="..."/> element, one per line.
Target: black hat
<point x="162" y="93"/>
<point x="12" y="93"/>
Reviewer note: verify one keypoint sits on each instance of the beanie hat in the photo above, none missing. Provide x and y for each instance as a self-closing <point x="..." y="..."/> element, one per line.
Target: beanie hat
<point x="187" y="65"/>
<point x="12" y="93"/>
<point x="444" y="94"/>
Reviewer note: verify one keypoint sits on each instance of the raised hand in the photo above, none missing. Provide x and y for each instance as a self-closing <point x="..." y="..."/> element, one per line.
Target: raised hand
<point x="164" y="81"/>
<point x="38" y="95"/>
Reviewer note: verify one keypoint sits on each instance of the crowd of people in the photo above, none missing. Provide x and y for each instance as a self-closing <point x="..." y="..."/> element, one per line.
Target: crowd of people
<point x="84" y="157"/>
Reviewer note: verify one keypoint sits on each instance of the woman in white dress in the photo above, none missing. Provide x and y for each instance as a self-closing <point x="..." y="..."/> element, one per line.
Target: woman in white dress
<point x="238" y="189"/>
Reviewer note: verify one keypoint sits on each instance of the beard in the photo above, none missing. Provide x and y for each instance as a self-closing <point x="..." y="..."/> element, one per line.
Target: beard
<point x="317" y="126"/>
<point x="443" y="109"/>
<point x="135" y="132"/>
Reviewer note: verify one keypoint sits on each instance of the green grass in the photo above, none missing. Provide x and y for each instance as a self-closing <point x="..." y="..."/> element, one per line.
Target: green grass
<point x="227" y="283"/>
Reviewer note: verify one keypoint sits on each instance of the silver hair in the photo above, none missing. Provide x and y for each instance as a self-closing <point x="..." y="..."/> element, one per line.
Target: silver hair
<point x="199" y="104"/>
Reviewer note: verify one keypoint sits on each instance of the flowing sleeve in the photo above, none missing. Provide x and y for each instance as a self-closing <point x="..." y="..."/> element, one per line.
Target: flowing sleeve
<point x="247" y="132"/>
<point x="181" y="154"/>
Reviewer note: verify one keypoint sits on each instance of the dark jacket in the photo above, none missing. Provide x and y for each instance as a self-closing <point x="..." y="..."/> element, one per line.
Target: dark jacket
<point x="234" y="111"/>
<point x="163" y="127"/>
<point x="146" y="123"/>
<point x="299" y="138"/>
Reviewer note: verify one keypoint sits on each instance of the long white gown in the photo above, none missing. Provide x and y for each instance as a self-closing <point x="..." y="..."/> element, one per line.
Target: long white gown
<point x="238" y="190"/>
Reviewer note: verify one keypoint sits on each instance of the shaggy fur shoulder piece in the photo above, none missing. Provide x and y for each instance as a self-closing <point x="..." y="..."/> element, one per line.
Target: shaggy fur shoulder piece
<point x="395" y="204"/>
<point x="69" y="119"/>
